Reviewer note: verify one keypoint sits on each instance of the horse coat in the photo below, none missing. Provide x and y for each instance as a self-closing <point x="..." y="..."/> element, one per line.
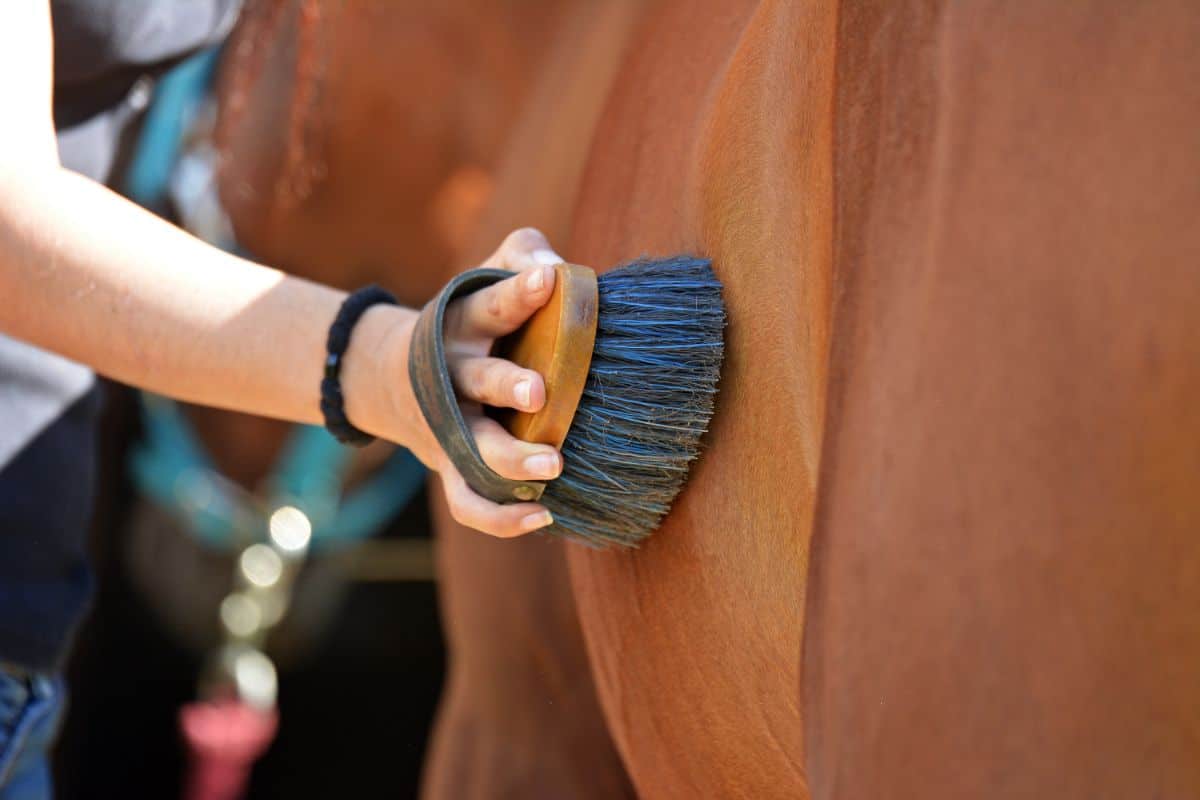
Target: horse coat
<point x="942" y="543"/>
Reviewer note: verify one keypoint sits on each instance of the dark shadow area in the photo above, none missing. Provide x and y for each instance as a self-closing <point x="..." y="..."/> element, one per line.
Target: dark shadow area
<point x="355" y="711"/>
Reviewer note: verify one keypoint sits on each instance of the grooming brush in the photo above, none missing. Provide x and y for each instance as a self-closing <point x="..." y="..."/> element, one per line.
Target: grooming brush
<point x="631" y="361"/>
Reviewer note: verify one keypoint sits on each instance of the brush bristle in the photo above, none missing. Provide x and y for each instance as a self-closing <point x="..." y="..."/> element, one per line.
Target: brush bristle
<point x="648" y="400"/>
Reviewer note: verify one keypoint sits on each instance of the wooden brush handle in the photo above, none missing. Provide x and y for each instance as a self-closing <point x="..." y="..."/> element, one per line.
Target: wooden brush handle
<point x="556" y="342"/>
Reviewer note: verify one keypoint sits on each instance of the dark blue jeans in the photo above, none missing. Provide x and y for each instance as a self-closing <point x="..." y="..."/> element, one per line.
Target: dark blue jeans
<point x="31" y="705"/>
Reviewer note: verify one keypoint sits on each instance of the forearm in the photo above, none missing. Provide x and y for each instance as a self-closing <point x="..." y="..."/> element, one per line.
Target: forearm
<point x="87" y="274"/>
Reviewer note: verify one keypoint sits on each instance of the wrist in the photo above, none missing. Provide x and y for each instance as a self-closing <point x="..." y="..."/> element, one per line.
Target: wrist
<point x="373" y="365"/>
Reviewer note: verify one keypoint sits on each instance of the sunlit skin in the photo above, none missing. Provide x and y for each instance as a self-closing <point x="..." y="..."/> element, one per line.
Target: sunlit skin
<point x="89" y="275"/>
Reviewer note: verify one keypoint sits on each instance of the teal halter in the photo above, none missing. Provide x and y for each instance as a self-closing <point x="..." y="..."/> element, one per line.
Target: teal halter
<point x="171" y="465"/>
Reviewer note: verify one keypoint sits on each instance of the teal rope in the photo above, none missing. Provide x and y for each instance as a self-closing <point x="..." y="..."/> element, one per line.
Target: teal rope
<point x="171" y="465"/>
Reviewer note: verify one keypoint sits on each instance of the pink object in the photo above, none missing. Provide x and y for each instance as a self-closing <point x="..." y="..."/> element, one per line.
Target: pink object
<point x="225" y="738"/>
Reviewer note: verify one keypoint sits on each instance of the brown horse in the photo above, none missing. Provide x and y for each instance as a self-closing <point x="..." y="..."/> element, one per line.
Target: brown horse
<point x="960" y="258"/>
<point x="961" y="267"/>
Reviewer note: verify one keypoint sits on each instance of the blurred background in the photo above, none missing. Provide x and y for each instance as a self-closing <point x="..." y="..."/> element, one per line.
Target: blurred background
<point x="355" y="707"/>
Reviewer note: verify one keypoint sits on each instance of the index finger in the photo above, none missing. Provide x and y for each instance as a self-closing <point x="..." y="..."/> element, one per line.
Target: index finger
<point x="502" y="307"/>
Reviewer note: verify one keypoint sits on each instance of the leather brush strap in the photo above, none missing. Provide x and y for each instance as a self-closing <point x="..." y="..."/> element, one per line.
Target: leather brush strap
<point x="435" y="393"/>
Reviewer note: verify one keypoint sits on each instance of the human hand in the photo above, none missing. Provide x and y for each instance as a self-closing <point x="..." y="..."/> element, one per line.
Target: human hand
<point x="472" y="324"/>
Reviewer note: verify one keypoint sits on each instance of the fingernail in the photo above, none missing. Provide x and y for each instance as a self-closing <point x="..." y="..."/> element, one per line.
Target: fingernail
<point x="522" y="391"/>
<point x="536" y="280"/>
<point x="534" y="521"/>
<point x="541" y="465"/>
<point x="546" y="257"/>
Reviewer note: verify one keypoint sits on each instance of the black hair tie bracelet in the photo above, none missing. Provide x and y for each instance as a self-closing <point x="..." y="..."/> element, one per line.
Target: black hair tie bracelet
<point x="333" y="406"/>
